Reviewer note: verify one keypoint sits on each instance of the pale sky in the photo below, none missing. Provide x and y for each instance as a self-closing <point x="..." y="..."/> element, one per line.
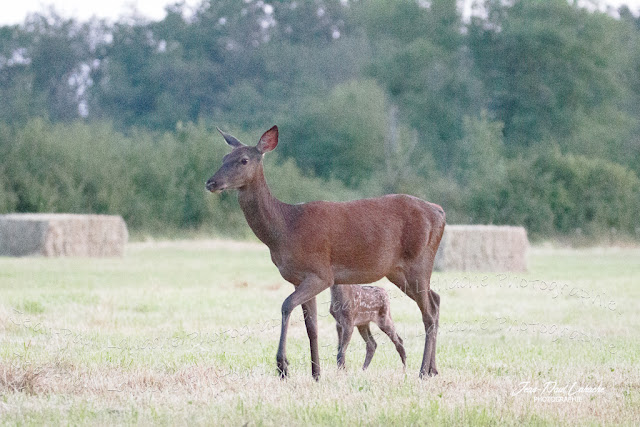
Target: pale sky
<point x="15" y="11"/>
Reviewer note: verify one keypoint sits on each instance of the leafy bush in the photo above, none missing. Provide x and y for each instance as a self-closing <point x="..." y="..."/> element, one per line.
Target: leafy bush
<point x="567" y="194"/>
<point x="155" y="181"/>
<point x="341" y="136"/>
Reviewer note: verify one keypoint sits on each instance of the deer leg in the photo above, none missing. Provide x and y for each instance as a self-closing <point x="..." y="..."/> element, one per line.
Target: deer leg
<point x="432" y="364"/>
<point x="429" y="310"/>
<point x="417" y="288"/>
<point x="371" y="344"/>
<point x="339" y="330"/>
<point x="347" y="330"/>
<point x="310" y="311"/>
<point x="310" y="287"/>
<point x="386" y="326"/>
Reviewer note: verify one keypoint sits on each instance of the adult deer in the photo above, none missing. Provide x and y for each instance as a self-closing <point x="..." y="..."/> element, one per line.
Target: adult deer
<point x="317" y="244"/>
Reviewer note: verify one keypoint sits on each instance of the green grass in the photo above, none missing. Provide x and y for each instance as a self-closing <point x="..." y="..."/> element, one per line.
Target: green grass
<point x="186" y="333"/>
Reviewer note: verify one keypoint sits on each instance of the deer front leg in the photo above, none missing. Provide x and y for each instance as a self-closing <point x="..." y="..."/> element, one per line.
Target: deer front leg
<point x="311" y="286"/>
<point x="310" y="311"/>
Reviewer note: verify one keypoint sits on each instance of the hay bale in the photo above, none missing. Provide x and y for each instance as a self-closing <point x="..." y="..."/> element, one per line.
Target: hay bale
<point x="62" y="235"/>
<point x="482" y="248"/>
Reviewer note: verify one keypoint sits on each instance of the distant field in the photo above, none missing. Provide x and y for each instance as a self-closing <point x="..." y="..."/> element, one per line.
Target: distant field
<point x="186" y="333"/>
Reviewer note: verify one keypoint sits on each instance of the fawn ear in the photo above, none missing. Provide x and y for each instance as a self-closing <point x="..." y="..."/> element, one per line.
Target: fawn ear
<point x="231" y="140"/>
<point x="268" y="140"/>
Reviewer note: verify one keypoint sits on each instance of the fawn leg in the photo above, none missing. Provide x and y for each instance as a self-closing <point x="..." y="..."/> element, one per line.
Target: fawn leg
<point x="343" y="343"/>
<point x="386" y="326"/>
<point x="311" y="286"/>
<point x="371" y="344"/>
<point x="310" y="311"/>
<point x="339" y="330"/>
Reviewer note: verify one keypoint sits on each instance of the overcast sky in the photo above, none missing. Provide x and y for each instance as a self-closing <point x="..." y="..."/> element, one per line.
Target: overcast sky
<point x="15" y="11"/>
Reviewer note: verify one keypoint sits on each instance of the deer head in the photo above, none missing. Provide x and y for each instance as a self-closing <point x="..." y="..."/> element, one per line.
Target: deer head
<point x="244" y="163"/>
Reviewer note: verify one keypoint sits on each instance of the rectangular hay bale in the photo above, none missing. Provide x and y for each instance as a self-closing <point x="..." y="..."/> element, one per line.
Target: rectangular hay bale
<point x="54" y="235"/>
<point x="485" y="248"/>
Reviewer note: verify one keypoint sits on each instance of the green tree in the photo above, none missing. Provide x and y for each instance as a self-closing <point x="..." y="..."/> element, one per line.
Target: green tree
<point x="482" y="169"/>
<point x="548" y="66"/>
<point x="342" y="135"/>
<point x="553" y="193"/>
<point x="44" y="67"/>
<point x="420" y="59"/>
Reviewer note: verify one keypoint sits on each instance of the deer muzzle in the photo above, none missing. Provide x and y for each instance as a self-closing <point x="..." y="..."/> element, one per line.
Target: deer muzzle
<point x="214" y="186"/>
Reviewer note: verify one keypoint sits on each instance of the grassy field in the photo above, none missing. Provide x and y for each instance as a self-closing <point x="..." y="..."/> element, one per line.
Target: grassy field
<point x="186" y="333"/>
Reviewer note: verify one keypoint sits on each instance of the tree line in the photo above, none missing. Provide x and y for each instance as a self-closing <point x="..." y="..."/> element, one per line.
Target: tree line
<point x="525" y="113"/>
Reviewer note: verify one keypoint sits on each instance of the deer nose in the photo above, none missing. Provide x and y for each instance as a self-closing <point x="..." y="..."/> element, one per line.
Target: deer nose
<point x="211" y="184"/>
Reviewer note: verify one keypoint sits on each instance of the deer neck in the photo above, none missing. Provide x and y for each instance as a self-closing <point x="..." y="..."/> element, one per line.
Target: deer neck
<point x="265" y="214"/>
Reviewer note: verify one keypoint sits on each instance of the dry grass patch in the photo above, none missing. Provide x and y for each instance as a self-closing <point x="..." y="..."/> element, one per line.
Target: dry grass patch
<point x="166" y="336"/>
<point x="20" y="379"/>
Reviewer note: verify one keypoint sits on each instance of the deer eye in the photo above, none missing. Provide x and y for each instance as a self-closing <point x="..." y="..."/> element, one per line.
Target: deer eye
<point x="244" y="161"/>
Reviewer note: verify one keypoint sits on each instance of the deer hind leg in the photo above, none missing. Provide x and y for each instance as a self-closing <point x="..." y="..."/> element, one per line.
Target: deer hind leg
<point x="386" y="325"/>
<point x="366" y="334"/>
<point x="429" y="308"/>
<point x="311" y="286"/>
<point x="432" y="364"/>
<point x="416" y="286"/>
<point x="343" y="343"/>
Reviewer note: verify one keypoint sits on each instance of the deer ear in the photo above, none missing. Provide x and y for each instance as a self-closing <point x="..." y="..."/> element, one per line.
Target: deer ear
<point x="231" y="140"/>
<point x="268" y="140"/>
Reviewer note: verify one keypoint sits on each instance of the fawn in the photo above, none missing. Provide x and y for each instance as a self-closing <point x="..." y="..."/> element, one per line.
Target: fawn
<point x="354" y="305"/>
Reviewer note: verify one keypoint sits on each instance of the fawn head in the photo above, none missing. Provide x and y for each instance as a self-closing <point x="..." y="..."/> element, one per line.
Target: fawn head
<point x="243" y="164"/>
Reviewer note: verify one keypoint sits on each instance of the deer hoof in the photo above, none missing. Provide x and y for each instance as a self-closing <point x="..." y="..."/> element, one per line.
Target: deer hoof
<point x="283" y="370"/>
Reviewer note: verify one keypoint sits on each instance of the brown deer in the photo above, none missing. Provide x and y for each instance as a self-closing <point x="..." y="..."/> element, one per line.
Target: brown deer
<point x="317" y="244"/>
<point x="354" y="305"/>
